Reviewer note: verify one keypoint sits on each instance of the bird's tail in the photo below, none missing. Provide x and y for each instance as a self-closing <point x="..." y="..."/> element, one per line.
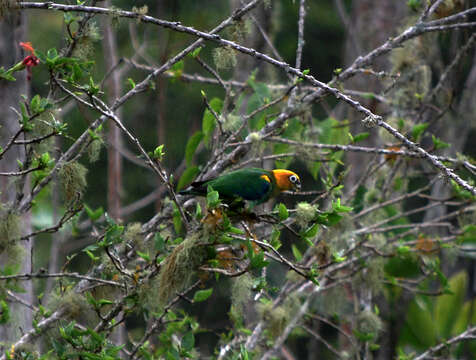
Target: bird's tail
<point x="195" y="188"/>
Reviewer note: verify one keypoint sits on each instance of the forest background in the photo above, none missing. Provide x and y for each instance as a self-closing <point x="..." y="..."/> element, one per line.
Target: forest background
<point x="109" y="108"/>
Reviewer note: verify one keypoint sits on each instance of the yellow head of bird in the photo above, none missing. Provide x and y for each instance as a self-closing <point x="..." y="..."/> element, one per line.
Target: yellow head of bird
<point x="287" y="180"/>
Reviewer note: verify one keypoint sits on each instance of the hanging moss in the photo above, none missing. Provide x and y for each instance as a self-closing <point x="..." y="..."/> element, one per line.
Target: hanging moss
<point x="44" y="126"/>
<point x="411" y="62"/>
<point x="231" y="122"/>
<point x="333" y="302"/>
<point x="372" y="276"/>
<point x="240" y="294"/>
<point x="276" y="318"/>
<point x="179" y="268"/>
<point x="133" y="234"/>
<point x="76" y="305"/>
<point x="369" y="323"/>
<point x="73" y="179"/>
<point x="238" y="31"/>
<point x="94" y="150"/>
<point x="10" y="230"/>
<point x="241" y="290"/>
<point x="322" y="251"/>
<point x="305" y="213"/>
<point x="84" y="48"/>
<point x="224" y="58"/>
<point x="15" y="255"/>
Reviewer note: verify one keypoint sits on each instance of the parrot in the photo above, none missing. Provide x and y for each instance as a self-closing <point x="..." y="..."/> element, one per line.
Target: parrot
<point x="254" y="184"/>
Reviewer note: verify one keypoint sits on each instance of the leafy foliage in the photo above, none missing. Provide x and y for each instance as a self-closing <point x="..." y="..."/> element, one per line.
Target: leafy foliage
<point x="374" y="227"/>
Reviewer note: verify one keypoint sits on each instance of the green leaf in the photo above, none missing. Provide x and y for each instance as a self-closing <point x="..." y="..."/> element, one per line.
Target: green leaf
<point x="44" y="160"/>
<point x="196" y="52"/>
<point x="258" y="261"/>
<point x="177" y="219"/>
<point x="24" y="115"/>
<point x="313" y="275"/>
<point x="143" y="255"/>
<point x="198" y="211"/>
<point x="91" y="255"/>
<point x="51" y="54"/>
<point x="312" y="231"/>
<point x="418" y="130"/>
<point x="414" y="5"/>
<point x="336" y="206"/>
<point x="159" y="242"/>
<point x="297" y="254"/>
<point x="360" y="137"/>
<point x="337" y="258"/>
<point x="213" y="198"/>
<point x="439" y="144"/>
<point x="4" y="312"/>
<point x="202" y="295"/>
<point x="402" y="266"/>
<point x="35" y="104"/>
<point x="243" y="353"/>
<point x="4" y="74"/>
<point x="362" y="336"/>
<point x="419" y="329"/>
<point x="103" y="302"/>
<point x="76" y="74"/>
<point x="159" y="152"/>
<point x="94" y="214"/>
<point x="92" y="88"/>
<point x="275" y="236"/>
<point x="192" y="145"/>
<point x="403" y="249"/>
<point x="448" y="306"/>
<point x="468" y="235"/>
<point x="188" y="341"/>
<point x="187" y="177"/>
<point x="283" y="212"/>
<point x="68" y="18"/>
<point x="113" y="235"/>
<point x="178" y="66"/>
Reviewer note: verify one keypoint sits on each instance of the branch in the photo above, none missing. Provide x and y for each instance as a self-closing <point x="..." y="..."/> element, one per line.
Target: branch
<point x="469" y="334"/>
<point x="20" y="173"/>
<point x="369" y="150"/>
<point x="42" y="275"/>
<point x="160" y="319"/>
<point x="139" y="88"/>
<point x="65" y="218"/>
<point x="300" y="42"/>
<point x="449" y="173"/>
<point x="40" y="328"/>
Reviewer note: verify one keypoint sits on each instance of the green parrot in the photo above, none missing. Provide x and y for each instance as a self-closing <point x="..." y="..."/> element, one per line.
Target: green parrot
<point x="253" y="184"/>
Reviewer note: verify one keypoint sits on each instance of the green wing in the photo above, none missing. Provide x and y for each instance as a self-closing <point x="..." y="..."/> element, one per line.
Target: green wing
<point x="245" y="183"/>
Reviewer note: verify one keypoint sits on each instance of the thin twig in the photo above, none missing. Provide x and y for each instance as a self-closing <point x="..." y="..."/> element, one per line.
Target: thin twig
<point x="41" y="275"/>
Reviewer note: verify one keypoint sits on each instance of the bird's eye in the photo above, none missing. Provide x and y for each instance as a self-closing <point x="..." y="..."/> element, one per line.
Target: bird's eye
<point x="293" y="179"/>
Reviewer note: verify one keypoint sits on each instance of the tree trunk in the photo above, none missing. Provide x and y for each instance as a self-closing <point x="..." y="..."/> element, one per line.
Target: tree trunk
<point x="12" y="30"/>
<point x="114" y="160"/>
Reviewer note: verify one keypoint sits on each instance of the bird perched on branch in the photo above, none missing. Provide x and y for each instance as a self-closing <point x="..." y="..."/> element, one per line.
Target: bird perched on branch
<point x="254" y="184"/>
